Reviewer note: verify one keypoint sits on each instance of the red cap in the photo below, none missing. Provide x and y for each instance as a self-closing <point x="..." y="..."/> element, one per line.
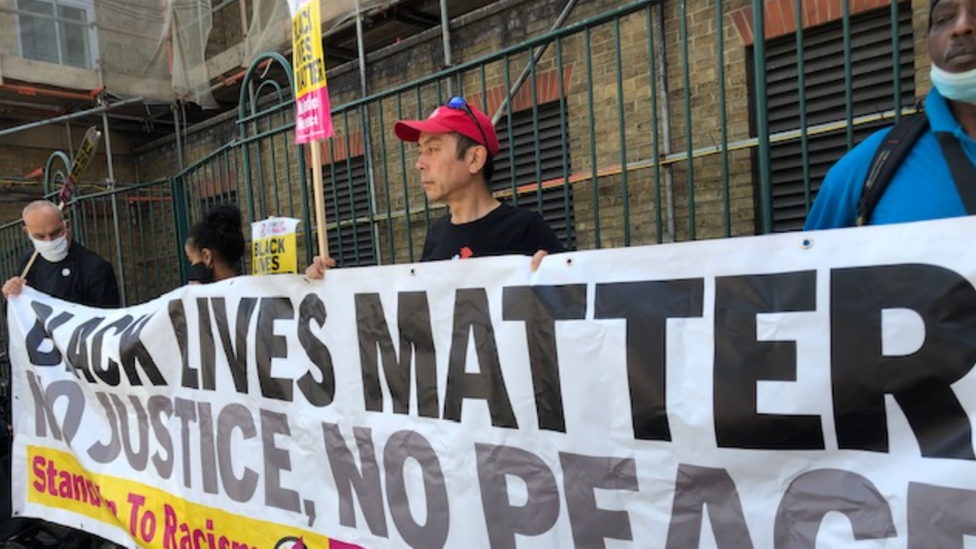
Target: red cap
<point x="452" y="118"/>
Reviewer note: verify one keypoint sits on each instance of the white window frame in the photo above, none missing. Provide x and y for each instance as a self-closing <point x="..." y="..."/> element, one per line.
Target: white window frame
<point x="89" y="9"/>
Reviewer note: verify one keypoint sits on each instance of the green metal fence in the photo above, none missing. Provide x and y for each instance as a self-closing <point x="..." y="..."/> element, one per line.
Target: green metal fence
<point x="620" y="136"/>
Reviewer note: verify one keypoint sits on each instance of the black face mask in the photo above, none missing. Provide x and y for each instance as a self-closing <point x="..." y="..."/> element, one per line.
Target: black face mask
<point x="199" y="272"/>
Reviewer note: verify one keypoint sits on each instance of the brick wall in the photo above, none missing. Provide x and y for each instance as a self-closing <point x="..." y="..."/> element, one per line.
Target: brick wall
<point x="25" y="154"/>
<point x="226" y="31"/>
<point x="595" y="141"/>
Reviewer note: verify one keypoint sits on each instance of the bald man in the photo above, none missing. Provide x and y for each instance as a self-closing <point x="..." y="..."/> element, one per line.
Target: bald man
<point x="69" y="271"/>
<point x="64" y="269"/>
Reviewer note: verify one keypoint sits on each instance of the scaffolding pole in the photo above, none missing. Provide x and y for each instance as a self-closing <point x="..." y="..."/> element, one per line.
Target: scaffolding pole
<point x="72" y="116"/>
<point x="115" y="207"/>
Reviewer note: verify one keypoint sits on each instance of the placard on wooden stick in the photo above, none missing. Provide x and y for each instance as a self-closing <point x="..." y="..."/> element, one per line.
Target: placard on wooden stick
<point x="313" y="117"/>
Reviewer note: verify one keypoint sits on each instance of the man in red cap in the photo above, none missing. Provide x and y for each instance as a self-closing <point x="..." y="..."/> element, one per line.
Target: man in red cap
<point x="457" y="147"/>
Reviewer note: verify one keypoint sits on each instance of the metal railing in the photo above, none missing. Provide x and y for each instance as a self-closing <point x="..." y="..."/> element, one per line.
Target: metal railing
<point x="651" y="142"/>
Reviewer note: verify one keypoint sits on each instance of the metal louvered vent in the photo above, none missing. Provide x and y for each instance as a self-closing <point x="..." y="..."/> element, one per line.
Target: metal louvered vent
<point x="347" y="202"/>
<point x="872" y="80"/>
<point x="553" y="163"/>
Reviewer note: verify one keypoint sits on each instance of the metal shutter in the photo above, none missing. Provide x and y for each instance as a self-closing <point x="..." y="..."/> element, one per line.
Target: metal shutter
<point x="823" y="64"/>
<point x="556" y="202"/>
<point x="351" y="245"/>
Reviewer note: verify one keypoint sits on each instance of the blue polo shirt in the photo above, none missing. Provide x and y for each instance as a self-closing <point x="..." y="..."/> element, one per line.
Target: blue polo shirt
<point x="922" y="189"/>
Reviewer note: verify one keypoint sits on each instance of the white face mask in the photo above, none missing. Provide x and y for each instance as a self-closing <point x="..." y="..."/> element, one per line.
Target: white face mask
<point x="957" y="86"/>
<point x="52" y="250"/>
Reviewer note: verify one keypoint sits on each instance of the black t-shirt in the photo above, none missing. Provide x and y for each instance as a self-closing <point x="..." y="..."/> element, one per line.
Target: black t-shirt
<point x="82" y="277"/>
<point x="504" y="231"/>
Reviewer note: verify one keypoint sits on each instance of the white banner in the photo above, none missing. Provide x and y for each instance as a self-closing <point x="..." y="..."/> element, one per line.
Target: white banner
<point x="799" y="390"/>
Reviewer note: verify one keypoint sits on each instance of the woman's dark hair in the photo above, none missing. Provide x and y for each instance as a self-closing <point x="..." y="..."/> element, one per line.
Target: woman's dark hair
<point x="220" y="231"/>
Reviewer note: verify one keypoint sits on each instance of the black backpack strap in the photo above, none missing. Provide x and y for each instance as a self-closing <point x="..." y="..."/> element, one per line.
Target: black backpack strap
<point x="887" y="159"/>
<point x="963" y="172"/>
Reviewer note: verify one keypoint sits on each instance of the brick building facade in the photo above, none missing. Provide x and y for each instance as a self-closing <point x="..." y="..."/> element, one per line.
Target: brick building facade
<point x="601" y="87"/>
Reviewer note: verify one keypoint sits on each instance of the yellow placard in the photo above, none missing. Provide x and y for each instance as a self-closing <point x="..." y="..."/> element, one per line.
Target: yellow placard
<point x="275" y="254"/>
<point x="274" y="246"/>
<point x="308" y="59"/>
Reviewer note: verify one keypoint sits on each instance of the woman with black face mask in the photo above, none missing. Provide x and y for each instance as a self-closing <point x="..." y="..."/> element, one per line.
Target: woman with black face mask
<point x="215" y="245"/>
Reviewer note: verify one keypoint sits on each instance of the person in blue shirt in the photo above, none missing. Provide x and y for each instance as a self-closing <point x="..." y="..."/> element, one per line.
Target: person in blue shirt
<point x="923" y="187"/>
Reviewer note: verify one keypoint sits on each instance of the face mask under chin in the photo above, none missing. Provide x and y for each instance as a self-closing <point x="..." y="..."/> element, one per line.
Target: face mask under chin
<point x="53" y="251"/>
<point x="956" y="86"/>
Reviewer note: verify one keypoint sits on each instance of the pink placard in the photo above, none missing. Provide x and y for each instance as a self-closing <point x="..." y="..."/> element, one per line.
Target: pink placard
<point x="313" y="120"/>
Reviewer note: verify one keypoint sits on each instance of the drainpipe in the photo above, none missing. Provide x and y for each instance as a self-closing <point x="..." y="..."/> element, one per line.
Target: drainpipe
<point x="367" y="133"/>
<point x="361" y="49"/>
<point x="662" y="80"/>
<point x="244" y="25"/>
<point x="446" y="40"/>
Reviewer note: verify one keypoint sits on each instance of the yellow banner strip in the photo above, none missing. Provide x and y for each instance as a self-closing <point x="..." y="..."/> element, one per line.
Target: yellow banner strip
<point x="152" y="517"/>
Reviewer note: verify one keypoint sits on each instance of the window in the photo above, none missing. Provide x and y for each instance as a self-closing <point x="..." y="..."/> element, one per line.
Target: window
<point x="823" y="67"/>
<point x="56" y="31"/>
<point x="347" y="203"/>
<point x="556" y="201"/>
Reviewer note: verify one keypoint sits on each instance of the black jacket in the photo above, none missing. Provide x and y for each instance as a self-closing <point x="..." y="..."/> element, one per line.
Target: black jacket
<point x="82" y="277"/>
